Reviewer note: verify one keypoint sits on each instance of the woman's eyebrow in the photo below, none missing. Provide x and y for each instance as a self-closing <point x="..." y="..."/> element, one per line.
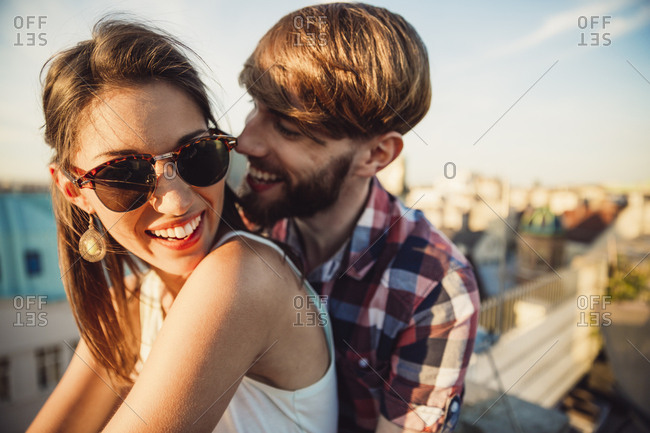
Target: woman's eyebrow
<point x="192" y="135"/>
<point x="125" y="152"/>
<point x="116" y="153"/>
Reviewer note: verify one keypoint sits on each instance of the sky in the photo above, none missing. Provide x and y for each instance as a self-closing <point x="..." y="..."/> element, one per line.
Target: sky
<point x="555" y="92"/>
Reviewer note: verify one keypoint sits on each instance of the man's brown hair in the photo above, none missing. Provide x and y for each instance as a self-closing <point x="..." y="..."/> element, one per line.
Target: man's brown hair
<point x="342" y="70"/>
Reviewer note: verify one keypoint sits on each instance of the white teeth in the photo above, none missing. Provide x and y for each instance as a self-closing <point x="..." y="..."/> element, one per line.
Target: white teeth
<point x="262" y="175"/>
<point x="179" y="232"/>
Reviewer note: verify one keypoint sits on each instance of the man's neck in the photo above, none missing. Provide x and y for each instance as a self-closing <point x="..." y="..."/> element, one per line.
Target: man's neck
<point x="324" y="233"/>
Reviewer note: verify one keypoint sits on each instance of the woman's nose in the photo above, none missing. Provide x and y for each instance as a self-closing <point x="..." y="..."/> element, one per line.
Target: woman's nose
<point x="172" y="194"/>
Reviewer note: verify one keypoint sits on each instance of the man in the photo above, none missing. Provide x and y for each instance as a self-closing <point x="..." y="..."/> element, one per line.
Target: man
<point x="335" y="86"/>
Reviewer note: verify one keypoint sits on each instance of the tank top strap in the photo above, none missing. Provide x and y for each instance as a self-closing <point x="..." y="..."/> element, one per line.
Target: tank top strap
<point x="262" y="240"/>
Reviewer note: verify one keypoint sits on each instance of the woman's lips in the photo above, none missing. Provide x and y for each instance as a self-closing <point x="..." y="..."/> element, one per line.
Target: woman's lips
<point x="168" y="237"/>
<point x="177" y="231"/>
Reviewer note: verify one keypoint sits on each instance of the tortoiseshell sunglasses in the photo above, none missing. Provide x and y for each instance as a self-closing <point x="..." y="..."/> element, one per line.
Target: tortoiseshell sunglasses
<point x="126" y="183"/>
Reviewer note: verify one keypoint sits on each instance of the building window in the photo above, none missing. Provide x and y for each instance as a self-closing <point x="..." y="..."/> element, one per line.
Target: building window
<point x="48" y="366"/>
<point x="33" y="263"/>
<point x="4" y="378"/>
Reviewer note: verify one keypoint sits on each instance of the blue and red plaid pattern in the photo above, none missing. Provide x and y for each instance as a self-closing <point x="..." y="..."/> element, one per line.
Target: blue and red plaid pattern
<point x="404" y="305"/>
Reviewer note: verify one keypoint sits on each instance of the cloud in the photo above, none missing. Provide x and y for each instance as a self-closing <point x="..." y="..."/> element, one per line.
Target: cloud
<point x="622" y="25"/>
<point x="568" y="21"/>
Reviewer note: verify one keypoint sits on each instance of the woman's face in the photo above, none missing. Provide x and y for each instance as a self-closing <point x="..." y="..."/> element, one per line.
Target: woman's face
<point x="153" y="118"/>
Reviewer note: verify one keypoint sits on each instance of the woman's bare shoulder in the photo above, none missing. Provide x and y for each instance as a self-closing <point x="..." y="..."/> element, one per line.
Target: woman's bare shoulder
<point x="257" y="271"/>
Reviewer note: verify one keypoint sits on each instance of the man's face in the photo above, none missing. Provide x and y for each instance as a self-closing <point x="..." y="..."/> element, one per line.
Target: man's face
<point x="289" y="174"/>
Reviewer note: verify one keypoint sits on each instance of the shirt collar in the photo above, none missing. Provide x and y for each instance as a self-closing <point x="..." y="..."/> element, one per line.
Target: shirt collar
<point x="369" y="235"/>
<point x="358" y="255"/>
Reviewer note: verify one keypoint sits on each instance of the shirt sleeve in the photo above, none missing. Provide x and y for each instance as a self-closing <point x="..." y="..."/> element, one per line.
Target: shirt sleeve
<point x="429" y="362"/>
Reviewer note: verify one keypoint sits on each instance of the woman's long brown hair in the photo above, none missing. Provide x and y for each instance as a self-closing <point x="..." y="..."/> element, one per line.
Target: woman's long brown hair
<point x="119" y="54"/>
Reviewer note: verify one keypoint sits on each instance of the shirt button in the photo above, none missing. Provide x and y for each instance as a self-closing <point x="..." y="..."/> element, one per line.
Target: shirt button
<point x="363" y="363"/>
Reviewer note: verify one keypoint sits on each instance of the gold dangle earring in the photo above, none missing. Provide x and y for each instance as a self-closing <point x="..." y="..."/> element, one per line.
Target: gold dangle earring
<point x="92" y="246"/>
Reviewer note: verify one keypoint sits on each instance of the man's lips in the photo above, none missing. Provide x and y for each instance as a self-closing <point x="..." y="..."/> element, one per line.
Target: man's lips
<point x="263" y="176"/>
<point x="260" y="186"/>
<point x="260" y="180"/>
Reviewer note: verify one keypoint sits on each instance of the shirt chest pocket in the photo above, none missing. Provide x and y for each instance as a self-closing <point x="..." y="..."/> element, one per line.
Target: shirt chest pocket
<point x="357" y="370"/>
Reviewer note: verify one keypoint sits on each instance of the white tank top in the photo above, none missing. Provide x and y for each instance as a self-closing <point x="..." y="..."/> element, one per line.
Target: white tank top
<point x="255" y="406"/>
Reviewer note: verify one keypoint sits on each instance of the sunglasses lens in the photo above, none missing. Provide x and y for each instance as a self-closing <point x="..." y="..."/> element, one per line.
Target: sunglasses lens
<point x="125" y="185"/>
<point x="203" y="163"/>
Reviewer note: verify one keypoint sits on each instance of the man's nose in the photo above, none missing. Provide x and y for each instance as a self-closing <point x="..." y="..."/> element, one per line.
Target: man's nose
<point x="252" y="140"/>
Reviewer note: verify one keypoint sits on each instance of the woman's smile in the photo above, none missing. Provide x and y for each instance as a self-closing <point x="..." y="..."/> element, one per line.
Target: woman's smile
<point x="178" y="235"/>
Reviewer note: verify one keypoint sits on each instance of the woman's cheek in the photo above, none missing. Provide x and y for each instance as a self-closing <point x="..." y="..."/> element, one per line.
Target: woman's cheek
<point x="123" y="231"/>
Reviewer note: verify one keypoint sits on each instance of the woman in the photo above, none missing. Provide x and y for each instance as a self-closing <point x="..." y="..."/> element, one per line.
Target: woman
<point x="213" y="318"/>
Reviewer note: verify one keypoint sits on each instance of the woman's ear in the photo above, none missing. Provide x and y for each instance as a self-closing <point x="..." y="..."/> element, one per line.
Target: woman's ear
<point x="69" y="190"/>
<point x="381" y="151"/>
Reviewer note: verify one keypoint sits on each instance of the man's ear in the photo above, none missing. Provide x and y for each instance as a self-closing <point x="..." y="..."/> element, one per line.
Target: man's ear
<point x="69" y="190"/>
<point x="381" y="151"/>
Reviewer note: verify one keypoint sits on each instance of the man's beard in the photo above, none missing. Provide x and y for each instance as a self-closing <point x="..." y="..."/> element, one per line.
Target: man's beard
<point x="301" y="200"/>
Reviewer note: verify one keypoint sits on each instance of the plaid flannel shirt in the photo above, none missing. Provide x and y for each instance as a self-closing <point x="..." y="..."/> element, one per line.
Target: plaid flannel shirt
<point x="404" y="305"/>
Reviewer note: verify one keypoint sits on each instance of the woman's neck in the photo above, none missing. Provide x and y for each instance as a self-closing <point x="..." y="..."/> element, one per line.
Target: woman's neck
<point x="173" y="283"/>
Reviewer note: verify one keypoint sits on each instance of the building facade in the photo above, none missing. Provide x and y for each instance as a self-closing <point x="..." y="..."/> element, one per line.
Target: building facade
<point x="37" y="331"/>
